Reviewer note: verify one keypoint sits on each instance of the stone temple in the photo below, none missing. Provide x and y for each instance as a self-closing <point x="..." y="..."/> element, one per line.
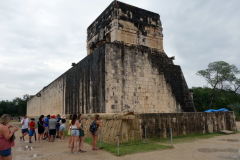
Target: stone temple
<point x="125" y="68"/>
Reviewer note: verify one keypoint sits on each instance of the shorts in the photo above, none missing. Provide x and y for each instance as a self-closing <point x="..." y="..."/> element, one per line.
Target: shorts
<point x="31" y="131"/>
<point x="57" y="128"/>
<point x="95" y="133"/>
<point x="46" y="129"/>
<point x="52" y="131"/>
<point x="62" y="128"/>
<point x="25" y="130"/>
<point x="75" y="132"/>
<point x="6" y="152"/>
<point x="40" y="131"/>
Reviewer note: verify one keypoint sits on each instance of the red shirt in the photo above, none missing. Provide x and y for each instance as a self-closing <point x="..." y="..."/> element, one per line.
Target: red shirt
<point x="32" y="125"/>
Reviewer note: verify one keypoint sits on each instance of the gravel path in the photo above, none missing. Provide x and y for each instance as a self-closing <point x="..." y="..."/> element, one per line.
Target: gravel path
<point x="219" y="147"/>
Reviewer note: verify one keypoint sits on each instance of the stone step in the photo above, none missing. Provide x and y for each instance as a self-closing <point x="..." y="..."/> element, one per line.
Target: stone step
<point x="226" y="131"/>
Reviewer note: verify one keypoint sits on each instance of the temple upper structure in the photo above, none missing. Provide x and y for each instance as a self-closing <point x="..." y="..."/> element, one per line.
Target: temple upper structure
<point x="126" y="23"/>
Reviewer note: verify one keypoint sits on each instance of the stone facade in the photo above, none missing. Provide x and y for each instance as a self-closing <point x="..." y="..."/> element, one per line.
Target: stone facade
<point x="131" y="127"/>
<point x="126" y="68"/>
<point x="126" y="23"/>
<point x="50" y="100"/>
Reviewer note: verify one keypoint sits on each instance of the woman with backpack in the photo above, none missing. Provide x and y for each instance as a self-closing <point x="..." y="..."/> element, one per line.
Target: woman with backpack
<point x="94" y="129"/>
<point x="81" y="134"/>
<point x="74" y="133"/>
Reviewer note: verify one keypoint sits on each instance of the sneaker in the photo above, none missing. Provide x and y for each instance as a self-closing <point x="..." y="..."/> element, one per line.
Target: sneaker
<point x="63" y="140"/>
<point x="30" y="142"/>
<point x="76" y="153"/>
<point x="44" y="138"/>
<point x="59" y="140"/>
<point x="20" y="139"/>
<point x="23" y="139"/>
<point x="41" y="141"/>
<point x="38" y="141"/>
<point x="47" y="139"/>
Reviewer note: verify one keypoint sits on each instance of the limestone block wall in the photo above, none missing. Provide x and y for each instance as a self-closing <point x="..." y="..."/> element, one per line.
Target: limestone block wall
<point x="113" y="124"/>
<point x="50" y="100"/>
<point x="144" y="80"/>
<point x="85" y="84"/>
<point x="123" y="22"/>
<point x="132" y="127"/>
<point x="81" y="89"/>
<point x="113" y="78"/>
<point x="186" y="123"/>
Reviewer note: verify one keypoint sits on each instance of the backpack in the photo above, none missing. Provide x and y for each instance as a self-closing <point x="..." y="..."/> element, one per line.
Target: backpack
<point x="93" y="127"/>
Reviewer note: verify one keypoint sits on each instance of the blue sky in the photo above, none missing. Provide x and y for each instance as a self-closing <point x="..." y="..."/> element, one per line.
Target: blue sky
<point x="40" y="39"/>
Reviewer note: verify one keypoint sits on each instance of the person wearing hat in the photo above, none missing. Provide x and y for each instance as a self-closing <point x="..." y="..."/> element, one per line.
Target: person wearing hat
<point x="52" y="128"/>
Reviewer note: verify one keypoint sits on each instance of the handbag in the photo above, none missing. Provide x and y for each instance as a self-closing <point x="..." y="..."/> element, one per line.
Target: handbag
<point x="13" y="137"/>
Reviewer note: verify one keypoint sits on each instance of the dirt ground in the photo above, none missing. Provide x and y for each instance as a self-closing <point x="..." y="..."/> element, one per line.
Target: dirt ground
<point x="219" y="147"/>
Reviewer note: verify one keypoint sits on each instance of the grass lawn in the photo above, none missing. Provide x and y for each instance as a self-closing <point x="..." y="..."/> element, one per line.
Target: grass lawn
<point x="129" y="148"/>
<point x="150" y="144"/>
<point x="187" y="138"/>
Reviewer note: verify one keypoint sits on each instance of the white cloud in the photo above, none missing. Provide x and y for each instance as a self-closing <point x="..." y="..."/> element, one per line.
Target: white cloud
<point x="40" y="39"/>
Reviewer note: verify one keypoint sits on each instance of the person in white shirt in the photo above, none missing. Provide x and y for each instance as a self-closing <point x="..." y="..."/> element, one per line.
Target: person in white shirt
<point x="24" y="123"/>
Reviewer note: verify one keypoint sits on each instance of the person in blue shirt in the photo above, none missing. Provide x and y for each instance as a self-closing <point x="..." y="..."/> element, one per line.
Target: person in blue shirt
<point x="58" y="124"/>
<point x="46" y="123"/>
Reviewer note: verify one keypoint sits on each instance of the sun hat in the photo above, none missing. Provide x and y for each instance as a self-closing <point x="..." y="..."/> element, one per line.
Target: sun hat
<point x="53" y="116"/>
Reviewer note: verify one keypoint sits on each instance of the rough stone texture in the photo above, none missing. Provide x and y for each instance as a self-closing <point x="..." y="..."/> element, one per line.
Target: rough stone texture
<point x="123" y="22"/>
<point x="79" y="90"/>
<point x="144" y="80"/>
<point x="116" y="77"/>
<point x="49" y="100"/>
<point x="186" y="123"/>
<point x="132" y="127"/>
<point x="126" y="68"/>
<point x="85" y="84"/>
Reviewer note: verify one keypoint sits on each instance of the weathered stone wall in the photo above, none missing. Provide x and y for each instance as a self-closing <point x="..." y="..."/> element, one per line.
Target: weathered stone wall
<point x="113" y="78"/>
<point x="186" y="123"/>
<point x="126" y="68"/>
<point x="144" y="80"/>
<point x="123" y="22"/>
<point x="85" y="84"/>
<point x="132" y="127"/>
<point x="49" y="100"/>
<point x="79" y="90"/>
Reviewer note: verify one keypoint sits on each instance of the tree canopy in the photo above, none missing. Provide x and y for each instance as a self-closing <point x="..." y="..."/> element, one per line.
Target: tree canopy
<point x="16" y="107"/>
<point x="220" y="76"/>
<point x="224" y="99"/>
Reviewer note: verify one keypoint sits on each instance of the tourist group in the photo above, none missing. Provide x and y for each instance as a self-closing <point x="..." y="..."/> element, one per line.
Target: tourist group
<point x="49" y="128"/>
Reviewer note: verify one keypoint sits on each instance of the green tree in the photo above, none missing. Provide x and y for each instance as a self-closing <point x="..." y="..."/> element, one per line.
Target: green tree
<point x="220" y="76"/>
<point x="235" y="107"/>
<point x="16" y="107"/>
<point x="221" y="100"/>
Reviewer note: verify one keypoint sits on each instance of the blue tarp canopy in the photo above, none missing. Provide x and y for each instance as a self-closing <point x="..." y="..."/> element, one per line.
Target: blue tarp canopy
<point x="219" y="110"/>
